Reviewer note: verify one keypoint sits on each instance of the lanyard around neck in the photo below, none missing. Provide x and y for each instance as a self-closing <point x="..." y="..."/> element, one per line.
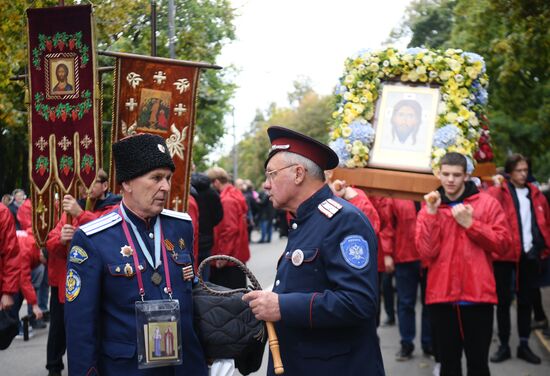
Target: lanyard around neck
<point x="136" y="261"/>
<point x="141" y="243"/>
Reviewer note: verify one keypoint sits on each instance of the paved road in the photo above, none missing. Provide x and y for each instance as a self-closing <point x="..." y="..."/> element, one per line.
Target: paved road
<point x="28" y="358"/>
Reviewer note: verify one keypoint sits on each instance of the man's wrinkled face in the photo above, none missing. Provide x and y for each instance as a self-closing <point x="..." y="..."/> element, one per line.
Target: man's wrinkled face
<point x="279" y="181"/>
<point x="19" y="198"/>
<point x="147" y="194"/>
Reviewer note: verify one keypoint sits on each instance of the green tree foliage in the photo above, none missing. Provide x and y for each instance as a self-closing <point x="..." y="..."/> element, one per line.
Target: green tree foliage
<point x="202" y="28"/>
<point x="427" y="22"/>
<point x="310" y="116"/>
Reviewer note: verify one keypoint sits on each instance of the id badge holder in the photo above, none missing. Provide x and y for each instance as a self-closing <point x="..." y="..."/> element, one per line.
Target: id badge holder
<point x="158" y="333"/>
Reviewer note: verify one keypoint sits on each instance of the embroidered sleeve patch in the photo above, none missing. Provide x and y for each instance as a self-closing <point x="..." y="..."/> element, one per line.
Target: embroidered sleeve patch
<point x="77" y="255"/>
<point x="72" y="285"/>
<point x="355" y="250"/>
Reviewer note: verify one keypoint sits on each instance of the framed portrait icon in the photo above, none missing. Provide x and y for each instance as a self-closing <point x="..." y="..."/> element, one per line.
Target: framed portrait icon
<point x="62" y="79"/>
<point x="404" y="123"/>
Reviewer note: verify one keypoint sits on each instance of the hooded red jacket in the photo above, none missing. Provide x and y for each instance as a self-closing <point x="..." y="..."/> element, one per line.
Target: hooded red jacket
<point x="231" y="234"/>
<point x="381" y="204"/>
<point x="9" y="249"/>
<point x="460" y="259"/>
<point x="542" y="214"/>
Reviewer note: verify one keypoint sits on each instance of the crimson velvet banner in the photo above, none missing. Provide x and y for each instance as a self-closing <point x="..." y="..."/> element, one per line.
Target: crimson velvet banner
<point x="64" y="142"/>
<point x="157" y="95"/>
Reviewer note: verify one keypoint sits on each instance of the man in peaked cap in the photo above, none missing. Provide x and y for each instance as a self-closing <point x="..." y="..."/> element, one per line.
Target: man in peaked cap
<point x="139" y="251"/>
<point x="324" y="299"/>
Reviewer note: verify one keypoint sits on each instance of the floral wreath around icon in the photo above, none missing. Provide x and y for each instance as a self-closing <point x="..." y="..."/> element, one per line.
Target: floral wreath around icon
<point x="461" y="123"/>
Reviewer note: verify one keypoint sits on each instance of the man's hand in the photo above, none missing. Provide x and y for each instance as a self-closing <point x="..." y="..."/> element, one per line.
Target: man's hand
<point x="388" y="263"/>
<point x="338" y="187"/>
<point x="37" y="311"/>
<point x="67" y="233"/>
<point x="6" y="302"/>
<point x="264" y="305"/>
<point x="433" y="200"/>
<point x="70" y="205"/>
<point x="463" y="214"/>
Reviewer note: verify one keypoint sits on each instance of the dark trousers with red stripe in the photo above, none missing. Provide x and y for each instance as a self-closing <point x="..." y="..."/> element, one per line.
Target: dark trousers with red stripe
<point x="467" y="328"/>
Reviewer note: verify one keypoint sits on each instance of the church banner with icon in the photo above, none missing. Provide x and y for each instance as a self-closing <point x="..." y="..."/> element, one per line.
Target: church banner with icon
<point x="157" y="95"/>
<point x="64" y="142"/>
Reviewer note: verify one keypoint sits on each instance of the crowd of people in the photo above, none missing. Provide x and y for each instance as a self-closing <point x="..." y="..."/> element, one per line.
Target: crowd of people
<point x="468" y="247"/>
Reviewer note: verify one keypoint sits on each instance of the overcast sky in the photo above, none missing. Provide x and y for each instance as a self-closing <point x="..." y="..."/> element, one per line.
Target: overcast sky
<point x="279" y="41"/>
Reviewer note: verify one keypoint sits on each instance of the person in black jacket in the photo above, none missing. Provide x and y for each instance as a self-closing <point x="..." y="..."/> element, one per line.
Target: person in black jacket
<point x="210" y="214"/>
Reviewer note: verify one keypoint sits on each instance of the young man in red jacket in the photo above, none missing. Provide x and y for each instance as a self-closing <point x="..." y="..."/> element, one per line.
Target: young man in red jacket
<point x="57" y="245"/>
<point x="398" y="238"/>
<point x="457" y="232"/>
<point x="529" y="222"/>
<point x="231" y="234"/>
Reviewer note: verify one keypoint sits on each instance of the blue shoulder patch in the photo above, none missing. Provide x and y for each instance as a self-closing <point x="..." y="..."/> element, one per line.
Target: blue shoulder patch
<point x="77" y="255"/>
<point x="355" y="250"/>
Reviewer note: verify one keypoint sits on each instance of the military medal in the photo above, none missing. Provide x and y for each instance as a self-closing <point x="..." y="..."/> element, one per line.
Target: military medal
<point x="188" y="273"/>
<point x="182" y="244"/>
<point x="156" y="278"/>
<point x="297" y="257"/>
<point x="128" y="270"/>
<point x="169" y="245"/>
<point x="126" y="251"/>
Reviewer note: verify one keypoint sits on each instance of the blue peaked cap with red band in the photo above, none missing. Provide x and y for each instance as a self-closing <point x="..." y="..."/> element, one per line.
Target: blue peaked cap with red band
<point x="284" y="139"/>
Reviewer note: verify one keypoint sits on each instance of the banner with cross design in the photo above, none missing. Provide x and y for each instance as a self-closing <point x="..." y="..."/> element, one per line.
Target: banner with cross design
<point x="64" y="142"/>
<point x="157" y="95"/>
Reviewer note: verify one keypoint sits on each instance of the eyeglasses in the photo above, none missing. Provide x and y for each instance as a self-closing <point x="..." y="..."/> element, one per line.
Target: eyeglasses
<point x="270" y="175"/>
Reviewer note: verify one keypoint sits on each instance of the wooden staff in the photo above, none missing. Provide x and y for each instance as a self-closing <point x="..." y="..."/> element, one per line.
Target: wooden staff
<point x="274" y="348"/>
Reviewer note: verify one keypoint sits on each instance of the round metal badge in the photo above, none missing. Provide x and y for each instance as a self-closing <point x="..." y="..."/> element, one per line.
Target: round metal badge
<point x="297" y="257"/>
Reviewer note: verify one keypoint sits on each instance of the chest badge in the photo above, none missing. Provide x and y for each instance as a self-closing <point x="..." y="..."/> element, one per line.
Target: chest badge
<point x="126" y="251"/>
<point x="182" y="244"/>
<point x="297" y="257"/>
<point x="169" y="245"/>
<point x="128" y="270"/>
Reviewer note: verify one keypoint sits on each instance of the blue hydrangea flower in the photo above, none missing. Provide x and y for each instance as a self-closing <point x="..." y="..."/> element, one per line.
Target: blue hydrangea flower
<point x="446" y="136"/>
<point x="361" y="130"/>
<point x="340" y="89"/>
<point x="480" y="93"/>
<point x="415" y="50"/>
<point x="339" y="147"/>
<point x="473" y="57"/>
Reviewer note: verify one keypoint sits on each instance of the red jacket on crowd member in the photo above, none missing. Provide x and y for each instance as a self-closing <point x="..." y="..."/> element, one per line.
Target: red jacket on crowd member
<point x="459" y="259"/>
<point x="29" y="258"/>
<point x="381" y="205"/>
<point x="542" y="214"/>
<point x="231" y="234"/>
<point x="24" y="215"/>
<point x="364" y="203"/>
<point x="57" y="252"/>
<point x="400" y="231"/>
<point x="193" y="211"/>
<point x="9" y="250"/>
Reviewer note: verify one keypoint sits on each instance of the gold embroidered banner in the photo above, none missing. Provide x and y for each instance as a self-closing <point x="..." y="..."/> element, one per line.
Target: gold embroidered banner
<point x="64" y="142"/>
<point x="158" y="95"/>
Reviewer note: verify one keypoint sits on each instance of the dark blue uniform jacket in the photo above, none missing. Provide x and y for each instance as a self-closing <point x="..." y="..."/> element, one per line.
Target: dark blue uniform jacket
<point x="329" y="300"/>
<point x="100" y="320"/>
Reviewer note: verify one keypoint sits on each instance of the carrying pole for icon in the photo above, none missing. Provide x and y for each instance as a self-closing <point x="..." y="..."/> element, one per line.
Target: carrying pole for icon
<point x="274" y="348"/>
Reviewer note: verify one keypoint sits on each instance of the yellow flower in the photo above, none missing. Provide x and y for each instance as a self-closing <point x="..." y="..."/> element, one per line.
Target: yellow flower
<point x="464" y="113"/>
<point x="413" y="76"/>
<point x="423" y="77"/>
<point x="421" y="70"/>
<point x="346" y="132"/>
<point x="427" y="59"/>
<point x="444" y="75"/>
<point x="451" y="117"/>
<point x="373" y="67"/>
